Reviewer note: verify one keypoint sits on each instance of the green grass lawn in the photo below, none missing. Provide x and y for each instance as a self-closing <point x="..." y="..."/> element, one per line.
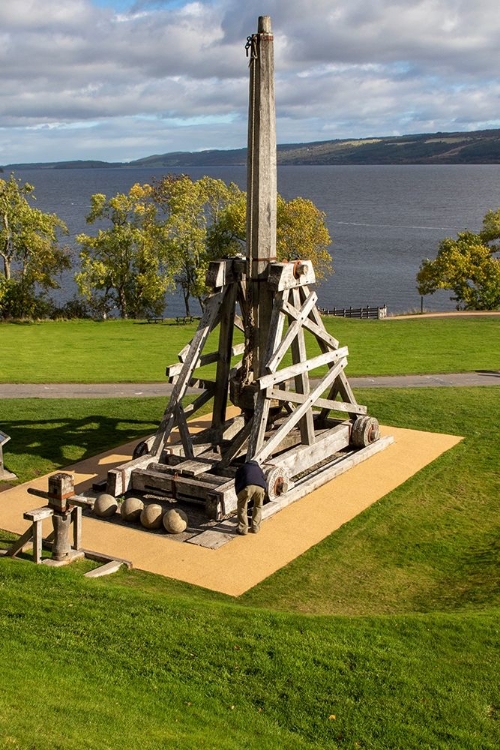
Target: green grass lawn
<point x="132" y="351"/>
<point x="385" y="635"/>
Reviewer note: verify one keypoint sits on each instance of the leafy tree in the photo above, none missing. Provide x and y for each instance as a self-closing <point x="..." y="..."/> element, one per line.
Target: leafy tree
<point x="30" y="251"/>
<point x="467" y="266"/>
<point x="192" y="228"/>
<point x="124" y="264"/>
<point x="302" y="234"/>
<point x="206" y="219"/>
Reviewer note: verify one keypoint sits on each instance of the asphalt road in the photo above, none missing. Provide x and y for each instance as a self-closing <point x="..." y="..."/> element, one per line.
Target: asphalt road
<point x="129" y="390"/>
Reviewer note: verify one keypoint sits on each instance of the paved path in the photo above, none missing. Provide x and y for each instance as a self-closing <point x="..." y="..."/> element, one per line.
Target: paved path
<point x="129" y="390"/>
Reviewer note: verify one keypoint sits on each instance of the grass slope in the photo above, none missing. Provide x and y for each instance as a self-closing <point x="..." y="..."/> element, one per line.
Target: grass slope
<point x="93" y="665"/>
<point x="385" y="635"/>
<point x="131" y="351"/>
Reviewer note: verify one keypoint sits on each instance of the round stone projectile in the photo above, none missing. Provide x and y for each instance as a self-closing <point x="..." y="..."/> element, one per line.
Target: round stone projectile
<point x="131" y="509"/>
<point x="151" y="516"/>
<point x="105" y="506"/>
<point x="175" y="521"/>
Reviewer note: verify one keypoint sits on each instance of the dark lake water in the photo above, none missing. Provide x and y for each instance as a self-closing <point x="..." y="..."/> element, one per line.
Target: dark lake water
<point x="383" y="219"/>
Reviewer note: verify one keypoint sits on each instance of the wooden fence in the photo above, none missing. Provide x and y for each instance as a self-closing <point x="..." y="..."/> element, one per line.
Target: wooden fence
<point x="356" y="312"/>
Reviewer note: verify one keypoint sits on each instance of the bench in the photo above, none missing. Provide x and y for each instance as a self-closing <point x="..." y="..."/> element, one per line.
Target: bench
<point x="155" y="320"/>
<point x="185" y="318"/>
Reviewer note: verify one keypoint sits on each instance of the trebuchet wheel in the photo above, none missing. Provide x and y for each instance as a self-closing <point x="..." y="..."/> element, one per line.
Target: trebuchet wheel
<point x="365" y="431"/>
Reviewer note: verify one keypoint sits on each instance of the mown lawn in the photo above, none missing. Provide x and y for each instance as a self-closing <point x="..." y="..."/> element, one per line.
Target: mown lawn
<point x="385" y="635"/>
<point x="96" y="665"/>
<point x="133" y="351"/>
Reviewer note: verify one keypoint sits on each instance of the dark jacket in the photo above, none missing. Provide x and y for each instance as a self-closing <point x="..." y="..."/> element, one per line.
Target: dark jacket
<point x="249" y="473"/>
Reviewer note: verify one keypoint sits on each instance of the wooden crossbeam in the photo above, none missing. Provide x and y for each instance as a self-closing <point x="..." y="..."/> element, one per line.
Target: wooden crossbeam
<point x="267" y="449"/>
<point x="321" y="403"/>
<point x="299" y="316"/>
<point x="261" y="413"/>
<point x="311" y="364"/>
<point x="206" y="324"/>
<point x="226" y="330"/>
<point x="299" y="354"/>
<point x="200" y="401"/>
<point x="184" y="431"/>
<point x="237" y="444"/>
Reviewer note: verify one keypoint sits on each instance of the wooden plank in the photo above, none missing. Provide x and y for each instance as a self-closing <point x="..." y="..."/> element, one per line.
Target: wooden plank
<point x="322" y="403"/>
<point x="198" y="402"/>
<point x="184" y="431"/>
<point x="211" y="539"/>
<point x="20" y="544"/>
<point x="341" y="386"/>
<point x="226" y="330"/>
<point x="77" y="527"/>
<point x="268" y="448"/>
<point x="299" y="316"/>
<point x="299" y="355"/>
<point x="261" y="413"/>
<point x="119" y="478"/>
<point x="174" y="473"/>
<point x="205" y="359"/>
<point x="184" y="488"/>
<point x="301" y="458"/>
<point x="104" y="570"/>
<point x="169" y="478"/>
<point x="236" y="445"/>
<point x="331" y="356"/>
<point x="37" y="541"/>
<point x="194" y="467"/>
<point x="219" y="273"/>
<point x="282" y="276"/>
<point x="206" y="323"/>
<point x="321" y="334"/>
<point x="326" y="475"/>
<point x="38" y="514"/>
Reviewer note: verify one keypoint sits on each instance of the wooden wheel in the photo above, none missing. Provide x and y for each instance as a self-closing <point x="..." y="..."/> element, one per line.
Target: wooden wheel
<point x="141" y="449"/>
<point x="365" y="431"/>
<point x="277" y="482"/>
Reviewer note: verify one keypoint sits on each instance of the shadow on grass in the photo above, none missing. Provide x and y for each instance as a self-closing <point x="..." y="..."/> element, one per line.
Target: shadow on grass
<point x="61" y="441"/>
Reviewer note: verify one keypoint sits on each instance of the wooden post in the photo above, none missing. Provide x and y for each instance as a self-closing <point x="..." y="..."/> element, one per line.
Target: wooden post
<point x="261" y="185"/>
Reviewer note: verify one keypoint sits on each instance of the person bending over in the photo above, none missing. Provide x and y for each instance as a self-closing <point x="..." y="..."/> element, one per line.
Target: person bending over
<point x="250" y="484"/>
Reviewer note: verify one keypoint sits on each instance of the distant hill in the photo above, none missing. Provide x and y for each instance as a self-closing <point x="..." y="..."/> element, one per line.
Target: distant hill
<point x="478" y="147"/>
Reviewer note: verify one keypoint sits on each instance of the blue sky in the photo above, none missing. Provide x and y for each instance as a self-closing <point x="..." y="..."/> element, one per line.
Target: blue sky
<point x="117" y="80"/>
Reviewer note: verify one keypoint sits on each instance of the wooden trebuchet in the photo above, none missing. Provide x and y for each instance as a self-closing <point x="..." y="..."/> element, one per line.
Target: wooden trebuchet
<point x="298" y="416"/>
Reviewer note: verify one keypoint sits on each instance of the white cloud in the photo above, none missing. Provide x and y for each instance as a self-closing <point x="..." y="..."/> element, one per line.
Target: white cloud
<point x="343" y="68"/>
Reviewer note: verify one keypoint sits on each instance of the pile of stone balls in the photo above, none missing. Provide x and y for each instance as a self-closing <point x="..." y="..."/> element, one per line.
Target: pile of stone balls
<point x="150" y="515"/>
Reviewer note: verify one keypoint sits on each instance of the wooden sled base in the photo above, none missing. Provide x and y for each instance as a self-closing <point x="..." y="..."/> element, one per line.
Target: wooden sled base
<point x="206" y="478"/>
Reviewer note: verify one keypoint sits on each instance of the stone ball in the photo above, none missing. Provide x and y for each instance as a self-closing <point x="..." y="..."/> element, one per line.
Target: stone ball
<point x="105" y="505"/>
<point x="131" y="508"/>
<point x="151" y="516"/>
<point x="175" y="521"/>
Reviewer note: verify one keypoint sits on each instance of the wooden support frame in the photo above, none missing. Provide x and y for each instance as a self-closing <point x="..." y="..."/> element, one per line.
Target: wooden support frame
<point x="285" y="407"/>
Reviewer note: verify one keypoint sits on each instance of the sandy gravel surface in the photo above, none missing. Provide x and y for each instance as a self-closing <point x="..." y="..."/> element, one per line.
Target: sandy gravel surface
<point x="244" y="561"/>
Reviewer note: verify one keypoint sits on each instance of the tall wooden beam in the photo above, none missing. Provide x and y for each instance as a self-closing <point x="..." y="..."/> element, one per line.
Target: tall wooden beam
<point x="261" y="185"/>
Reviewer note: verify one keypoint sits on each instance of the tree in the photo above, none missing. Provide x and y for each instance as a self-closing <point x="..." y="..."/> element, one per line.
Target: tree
<point x="467" y="266"/>
<point x="206" y="219"/>
<point x="30" y="251"/>
<point x="124" y="264"/>
<point x="302" y="234"/>
<point x="192" y="228"/>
